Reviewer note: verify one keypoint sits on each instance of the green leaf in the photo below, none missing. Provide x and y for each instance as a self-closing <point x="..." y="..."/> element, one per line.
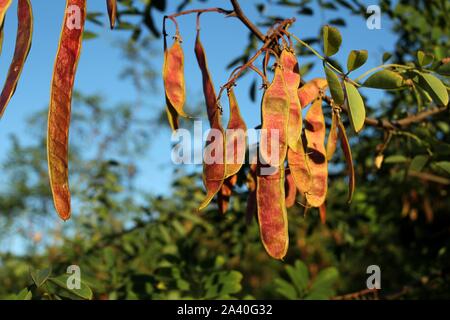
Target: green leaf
<point x="355" y="103"/>
<point x="285" y="289"/>
<point x="223" y="284"/>
<point x="424" y="58"/>
<point x="356" y="59"/>
<point x="434" y="87"/>
<point x="89" y="35"/>
<point x="395" y="159"/>
<point x="384" y="79"/>
<point x="444" y="165"/>
<point x="40" y="276"/>
<point x="386" y="56"/>
<point x="25" y="294"/>
<point x="299" y="276"/>
<point x="331" y="40"/>
<point x="335" y="86"/>
<point x="325" y="281"/>
<point x="418" y="162"/>
<point x="84" y="292"/>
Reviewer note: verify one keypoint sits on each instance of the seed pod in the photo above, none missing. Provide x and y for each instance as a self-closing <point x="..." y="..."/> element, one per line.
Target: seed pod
<point x="112" y="12"/>
<point x="323" y="213"/>
<point x="291" y="76"/>
<point x="270" y="195"/>
<point x="174" y="82"/>
<point x="236" y="144"/>
<point x="23" y="44"/>
<point x="317" y="160"/>
<point x="290" y="189"/>
<point x="348" y="158"/>
<point x="275" y="117"/>
<point x="299" y="168"/>
<point x="2" y="36"/>
<point x="69" y="49"/>
<point x="251" y="200"/>
<point x="213" y="171"/>
<point x="311" y="90"/>
<point x="4" y="6"/>
<point x="272" y="215"/>
<point x="172" y="117"/>
<point x="223" y="196"/>
<point x="332" y="136"/>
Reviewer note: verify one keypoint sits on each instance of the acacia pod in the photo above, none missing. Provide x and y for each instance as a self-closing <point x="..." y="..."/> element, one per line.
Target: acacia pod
<point x="272" y="214"/>
<point x="236" y="140"/>
<point x="291" y="76"/>
<point x="251" y="209"/>
<point x="275" y="117"/>
<point x="311" y="91"/>
<point x="332" y="136"/>
<point x="323" y="213"/>
<point x="298" y="166"/>
<point x="172" y="117"/>
<point x="317" y="160"/>
<point x="4" y="6"/>
<point x="23" y="45"/>
<point x="223" y="196"/>
<point x="270" y="195"/>
<point x="112" y="12"/>
<point x="69" y="49"/>
<point x="213" y="162"/>
<point x="2" y="36"/>
<point x="174" y="80"/>
<point x="348" y="158"/>
<point x="290" y="189"/>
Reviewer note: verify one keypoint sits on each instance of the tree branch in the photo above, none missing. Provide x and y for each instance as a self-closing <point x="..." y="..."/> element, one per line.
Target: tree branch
<point x="241" y="16"/>
<point x="397" y="124"/>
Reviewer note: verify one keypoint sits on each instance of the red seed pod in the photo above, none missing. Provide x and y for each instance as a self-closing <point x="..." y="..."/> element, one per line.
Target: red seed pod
<point x="251" y="210"/>
<point x="310" y="91"/>
<point x="290" y="189"/>
<point x="323" y="213"/>
<point x="4" y="6"/>
<point x="332" y="136"/>
<point x="270" y="195"/>
<point x="299" y="168"/>
<point x="291" y="76"/>
<point x="61" y="103"/>
<point x="348" y="158"/>
<point x="174" y="80"/>
<point x="223" y="196"/>
<point x="275" y="117"/>
<point x="112" y="12"/>
<point x="23" y="45"/>
<point x="272" y="214"/>
<point x="236" y="138"/>
<point x="214" y="160"/>
<point x="317" y="160"/>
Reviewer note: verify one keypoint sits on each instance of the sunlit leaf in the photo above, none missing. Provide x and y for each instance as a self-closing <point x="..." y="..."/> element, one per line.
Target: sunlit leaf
<point x="424" y="58"/>
<point x="384" y="79"/>
<point x="356" y="59"/>
<point x="335" y="86"/>
<point x="331" y="40"/>
<point x="357" y="111"/>
<point x="434" y="87"/>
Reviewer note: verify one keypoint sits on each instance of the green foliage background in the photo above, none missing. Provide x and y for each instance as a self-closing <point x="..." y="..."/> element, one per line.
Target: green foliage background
<point x="134" y="245"/>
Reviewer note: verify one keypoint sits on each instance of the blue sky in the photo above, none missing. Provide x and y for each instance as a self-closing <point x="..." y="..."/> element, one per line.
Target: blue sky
<point x="102" y="62"/>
